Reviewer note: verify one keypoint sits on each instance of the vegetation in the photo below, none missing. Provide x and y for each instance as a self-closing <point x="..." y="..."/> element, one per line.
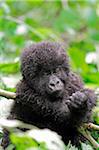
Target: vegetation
<point x="75" y="23"/>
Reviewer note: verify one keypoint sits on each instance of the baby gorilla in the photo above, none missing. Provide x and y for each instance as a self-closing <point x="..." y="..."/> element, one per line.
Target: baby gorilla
<point x="50" y="95"/>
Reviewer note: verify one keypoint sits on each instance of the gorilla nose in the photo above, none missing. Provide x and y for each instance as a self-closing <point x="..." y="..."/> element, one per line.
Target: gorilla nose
<point x="55" y="84"/>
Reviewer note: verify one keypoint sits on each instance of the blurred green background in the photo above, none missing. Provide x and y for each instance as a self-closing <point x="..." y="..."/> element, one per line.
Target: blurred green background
<point x="74" y="23"/>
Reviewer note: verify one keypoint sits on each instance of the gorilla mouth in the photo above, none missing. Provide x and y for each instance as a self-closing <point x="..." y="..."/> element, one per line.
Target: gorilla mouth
<point x="55" y="94"/>
<point x="58" y="94"/>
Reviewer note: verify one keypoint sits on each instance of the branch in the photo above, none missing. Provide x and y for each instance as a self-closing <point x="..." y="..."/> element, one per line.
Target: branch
<point x="6" y="94"/>
<point x="33" y="30"/>
<point x="91" y="126"/>
<point x="87" y="135"/>
<point x="11" y="124"/>
<point x="30" y="28"/>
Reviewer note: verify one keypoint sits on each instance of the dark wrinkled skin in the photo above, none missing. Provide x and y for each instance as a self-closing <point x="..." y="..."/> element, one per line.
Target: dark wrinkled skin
<point x="62" y="110"/>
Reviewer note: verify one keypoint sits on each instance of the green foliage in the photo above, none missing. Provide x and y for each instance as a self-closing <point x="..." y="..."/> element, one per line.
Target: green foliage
<point x="1" y="135"/>
<point x="88" y="72"/>
<point x="23" y="142"/>
<point x="9" y="68"/>
<point x="33" y="21"/>
<point x="69" y="18"/>
<point x="96" y="113"/>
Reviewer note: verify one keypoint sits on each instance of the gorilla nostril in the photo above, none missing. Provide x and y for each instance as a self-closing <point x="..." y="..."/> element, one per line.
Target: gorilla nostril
<point x="52" y="84"/>
<point x="57" y="82"/>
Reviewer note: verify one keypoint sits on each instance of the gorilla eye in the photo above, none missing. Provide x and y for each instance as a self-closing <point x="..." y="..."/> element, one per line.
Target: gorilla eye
<point x="57" y="70"/>
<point x="48" y="72"/>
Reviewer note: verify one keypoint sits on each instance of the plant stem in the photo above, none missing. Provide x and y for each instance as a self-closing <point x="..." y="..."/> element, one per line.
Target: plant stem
<point x="8" y="95"/>
<point x="91" y="126"/>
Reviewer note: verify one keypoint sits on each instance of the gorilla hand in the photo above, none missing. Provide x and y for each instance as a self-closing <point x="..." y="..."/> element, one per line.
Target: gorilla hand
<point x="77" y="101"/>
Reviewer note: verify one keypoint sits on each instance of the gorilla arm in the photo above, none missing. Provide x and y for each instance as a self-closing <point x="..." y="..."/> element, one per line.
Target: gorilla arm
<point x="81" y="101"/>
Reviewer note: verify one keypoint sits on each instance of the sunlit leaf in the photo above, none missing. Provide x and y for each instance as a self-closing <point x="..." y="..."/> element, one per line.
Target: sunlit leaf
<point x="9" y="68"/>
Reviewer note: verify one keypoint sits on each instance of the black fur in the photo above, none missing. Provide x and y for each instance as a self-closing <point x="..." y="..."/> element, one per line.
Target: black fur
<point x="63" y="114"/>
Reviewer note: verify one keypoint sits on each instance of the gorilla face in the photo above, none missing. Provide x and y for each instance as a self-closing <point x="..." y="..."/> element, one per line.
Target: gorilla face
<point x="45" y="68"/>
<point x="51" y="82"/>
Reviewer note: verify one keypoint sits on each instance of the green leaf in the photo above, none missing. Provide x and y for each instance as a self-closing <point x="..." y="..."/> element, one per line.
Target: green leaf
<point x="94" y="35"/>
<point x="68" y="18"/>
<point x="78" y="60"/>
<point x="9" y="68"/>
<point x="90" y="77"/>
<point x="92" y="18"/>
<point x="23" y="142"/>
<point x="70" y="147"/>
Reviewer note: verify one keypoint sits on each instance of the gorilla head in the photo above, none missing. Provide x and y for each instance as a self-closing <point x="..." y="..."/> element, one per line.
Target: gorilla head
<point x="45" y="68"/>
